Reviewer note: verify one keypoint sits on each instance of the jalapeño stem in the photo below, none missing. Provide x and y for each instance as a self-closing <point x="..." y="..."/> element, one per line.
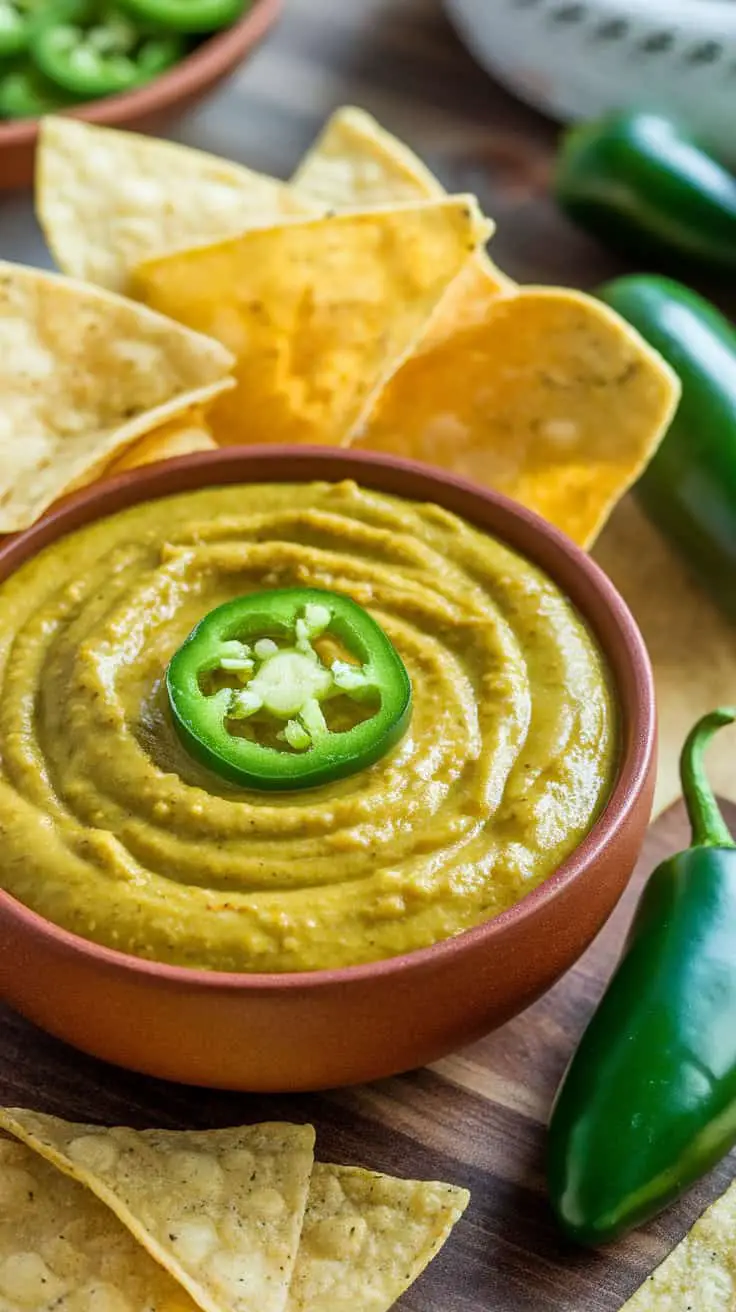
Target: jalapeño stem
<point x="709" y="829"/>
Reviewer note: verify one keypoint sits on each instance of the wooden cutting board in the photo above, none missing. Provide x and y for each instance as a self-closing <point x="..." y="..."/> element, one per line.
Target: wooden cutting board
<point x="476" y="1118"/>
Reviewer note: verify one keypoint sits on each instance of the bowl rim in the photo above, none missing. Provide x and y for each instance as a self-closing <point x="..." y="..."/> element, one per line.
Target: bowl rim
<point x="242" y="464"/>
<point x="206" y="62"/>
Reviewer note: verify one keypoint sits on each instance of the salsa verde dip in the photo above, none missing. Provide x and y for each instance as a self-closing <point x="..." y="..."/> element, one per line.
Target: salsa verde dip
<point x="110" y="829"/>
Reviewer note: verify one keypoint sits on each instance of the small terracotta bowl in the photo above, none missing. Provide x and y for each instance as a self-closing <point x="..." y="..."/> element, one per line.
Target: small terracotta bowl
<point x="334" y="1027"/>
<point x="151" y="107"/>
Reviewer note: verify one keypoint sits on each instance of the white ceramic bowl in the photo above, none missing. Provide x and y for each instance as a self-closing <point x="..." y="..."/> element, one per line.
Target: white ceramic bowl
<point x="575" y="59"/>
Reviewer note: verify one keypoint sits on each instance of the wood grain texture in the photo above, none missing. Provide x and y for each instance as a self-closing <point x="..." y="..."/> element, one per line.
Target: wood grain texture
<point x="476" y="1118"/>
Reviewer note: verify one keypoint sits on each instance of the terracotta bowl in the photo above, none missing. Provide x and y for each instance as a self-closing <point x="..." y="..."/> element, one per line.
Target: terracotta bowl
<point x="152" y="107"/>
<point x="334" y="1027"/>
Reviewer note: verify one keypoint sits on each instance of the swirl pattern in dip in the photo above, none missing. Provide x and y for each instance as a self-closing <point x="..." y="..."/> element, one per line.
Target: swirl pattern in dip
<point x="108" y="828"/>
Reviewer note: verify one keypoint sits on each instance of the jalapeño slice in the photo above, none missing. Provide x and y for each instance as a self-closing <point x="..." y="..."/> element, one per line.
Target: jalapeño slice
<point x="187" y="15"/>
<point x="95" y="50"/>
<point x="26" y="93"/>
<point x="249" y="688"/>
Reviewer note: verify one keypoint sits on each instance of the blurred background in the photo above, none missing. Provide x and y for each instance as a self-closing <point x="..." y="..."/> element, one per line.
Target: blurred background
<point x="405" y="62"/>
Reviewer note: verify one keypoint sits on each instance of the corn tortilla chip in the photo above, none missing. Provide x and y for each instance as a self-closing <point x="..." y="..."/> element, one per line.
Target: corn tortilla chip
<point x="355" y="163"/>
<point x="318" y="314"/>
<point x="367" y="1237"/>
<point x="466" y="304"/>
<point x="550" y="398"/>
<point x="221" y="1210"/>
<point x="82" y="375"/>
<point x="700" y="1274"/>
<point x="187" y="433"/>
<point x="179" y="438"/>
<point x="692" y="646"/>
<point x="107" y="199"/>
<point x="60" y="1247"/>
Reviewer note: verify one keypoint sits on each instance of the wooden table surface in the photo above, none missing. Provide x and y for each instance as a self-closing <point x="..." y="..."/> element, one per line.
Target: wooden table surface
<point x="477" y="1117"/>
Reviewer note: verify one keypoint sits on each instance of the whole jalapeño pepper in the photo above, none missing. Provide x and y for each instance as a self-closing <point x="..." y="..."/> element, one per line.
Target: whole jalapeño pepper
<point x="689" y="487"/>
<point x="648" y="1103"/>
<point x="640" y="183"/>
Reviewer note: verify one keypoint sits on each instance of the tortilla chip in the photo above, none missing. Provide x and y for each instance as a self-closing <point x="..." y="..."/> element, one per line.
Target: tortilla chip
<point x="221" y="1210"/>
<point x="367" y="1237"/>
<point x="551" y="398"/>
<point x="179" y="438"/>
<point x="691" y="644"/>
<point x="355" y="164"/>
<point x="61" y="1247"/>
<point x="82" y="375"/>
<point x="107" y="200"/>
<point x="319" y="314"/>
<point x="187" y="433"/>
<point x="700" y="1274"/>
